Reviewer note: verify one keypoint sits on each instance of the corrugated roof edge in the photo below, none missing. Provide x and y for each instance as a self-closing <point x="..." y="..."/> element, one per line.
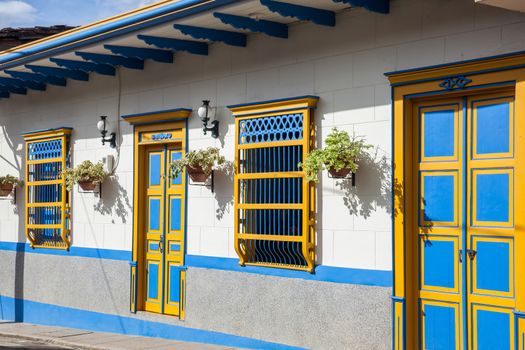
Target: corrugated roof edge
<point x="146" y="17"/>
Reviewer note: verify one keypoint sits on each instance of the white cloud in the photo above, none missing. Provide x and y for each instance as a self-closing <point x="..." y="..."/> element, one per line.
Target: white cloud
<point x="108" y="8"/>
<point x="15" y="11"/>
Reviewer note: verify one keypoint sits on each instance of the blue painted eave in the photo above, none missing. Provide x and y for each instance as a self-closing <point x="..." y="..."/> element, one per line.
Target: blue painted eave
<point x="106" y="30"/>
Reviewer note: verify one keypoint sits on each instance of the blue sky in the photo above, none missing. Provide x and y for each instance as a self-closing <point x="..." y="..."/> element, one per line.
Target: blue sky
<point x="27" y="13"/>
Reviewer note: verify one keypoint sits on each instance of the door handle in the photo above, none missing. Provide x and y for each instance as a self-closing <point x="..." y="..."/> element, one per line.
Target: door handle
<point x="460" y="255"/>
<point x="161" y="243"/>
<point x="471" y="253"/>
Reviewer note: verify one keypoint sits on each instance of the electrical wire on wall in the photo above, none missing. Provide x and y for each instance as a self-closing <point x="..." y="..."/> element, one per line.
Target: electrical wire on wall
<point x="119" y="137"/>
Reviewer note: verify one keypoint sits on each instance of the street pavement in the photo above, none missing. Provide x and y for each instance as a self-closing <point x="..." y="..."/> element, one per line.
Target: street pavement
<point x="24" y="344"/>
<point x="35" y="337"/>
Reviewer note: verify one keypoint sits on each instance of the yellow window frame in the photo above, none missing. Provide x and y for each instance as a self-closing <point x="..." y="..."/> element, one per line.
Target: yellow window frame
<point x="52" y="207"/>
<point x="248" y="240"/>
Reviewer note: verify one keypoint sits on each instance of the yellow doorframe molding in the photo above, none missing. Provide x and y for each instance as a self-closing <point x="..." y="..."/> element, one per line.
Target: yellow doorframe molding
<point x="170" y="127"/>
<point x="448" y="81"/>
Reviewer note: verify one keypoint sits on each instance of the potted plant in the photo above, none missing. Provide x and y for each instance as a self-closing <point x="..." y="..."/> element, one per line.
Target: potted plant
<point x="7" y="183"/>
<point x="87" y="175"/>
<point x="199" y="164"/>
<point x="339" y="156"/>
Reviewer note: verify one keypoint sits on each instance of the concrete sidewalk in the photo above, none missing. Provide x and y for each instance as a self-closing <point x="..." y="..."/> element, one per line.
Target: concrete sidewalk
<point x="81" y="339"/>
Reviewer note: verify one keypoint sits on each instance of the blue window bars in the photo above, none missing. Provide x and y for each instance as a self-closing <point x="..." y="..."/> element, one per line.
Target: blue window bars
<point x="47" y="201"/>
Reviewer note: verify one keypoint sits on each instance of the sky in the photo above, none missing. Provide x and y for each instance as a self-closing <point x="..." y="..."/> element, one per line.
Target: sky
<point x="29" y="13"/>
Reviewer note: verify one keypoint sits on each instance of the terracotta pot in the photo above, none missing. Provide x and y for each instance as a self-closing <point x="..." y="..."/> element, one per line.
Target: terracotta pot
<point x="197" y="174"/>
<point x="6" y="189"/>
<point x="87" y="185"/>
<point x="339" y="174"/>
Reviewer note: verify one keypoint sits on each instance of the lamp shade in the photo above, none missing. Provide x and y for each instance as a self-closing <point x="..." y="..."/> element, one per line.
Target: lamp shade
<point x="101" y="125"/>
<point x="206" y="110"/>
<point x="202" y="111"/>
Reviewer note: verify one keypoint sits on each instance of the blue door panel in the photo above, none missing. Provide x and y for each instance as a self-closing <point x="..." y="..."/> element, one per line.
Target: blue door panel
<point x="178" y="179"/>
<point x="153" y="279"/>
<point x="438" y="198"/>
<point x="492" y="197"/>
<point x="154" y="214"/>
<point x="174" y="278"/>
<point x="439" y="133"/>
<point x="493" y="330"/>
<point x="493" y="128"/>
<point x="438" y="263"/>
<point x="154" y="169"/>
<point x="439" y="327"/>
<point x="175" y="214"/>
<point x="492" y="266"/>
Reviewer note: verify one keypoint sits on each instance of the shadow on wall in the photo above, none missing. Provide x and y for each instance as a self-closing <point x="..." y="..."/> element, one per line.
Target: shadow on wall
<point x="114" y="200"/>
<point x="19" y="254"/>
<point x="224" y="190"/>
<point x="373" y="186"/>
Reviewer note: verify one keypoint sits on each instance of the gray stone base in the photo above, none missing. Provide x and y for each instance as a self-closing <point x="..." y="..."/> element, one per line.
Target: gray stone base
<point x="310" y="314"/>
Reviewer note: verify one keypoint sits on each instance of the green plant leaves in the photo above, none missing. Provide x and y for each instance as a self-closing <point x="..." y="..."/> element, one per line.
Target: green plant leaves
<point x="341" y="152"/>
<point x="86" y="171"/>
<point x="204" y="158"/>
<point x="10" y="179"/>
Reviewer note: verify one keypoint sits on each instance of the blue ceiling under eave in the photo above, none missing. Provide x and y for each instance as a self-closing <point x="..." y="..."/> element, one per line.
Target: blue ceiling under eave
<point x="158" y="48"/>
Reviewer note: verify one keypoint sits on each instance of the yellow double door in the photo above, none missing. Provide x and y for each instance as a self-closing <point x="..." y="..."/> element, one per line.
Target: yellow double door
<point x="464" y="291"/>
<point x="164" y="232"/>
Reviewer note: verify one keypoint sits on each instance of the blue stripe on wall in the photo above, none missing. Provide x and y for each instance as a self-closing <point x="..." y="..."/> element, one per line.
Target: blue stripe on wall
<point x="83" y="252"/>
<point x="54" y="315"/>
<point x="322" y="273"/>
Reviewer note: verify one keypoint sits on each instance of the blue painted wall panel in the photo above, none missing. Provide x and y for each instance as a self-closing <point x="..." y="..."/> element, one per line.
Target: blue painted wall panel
<point x="174" y="284"/>
<point x="492" y="197"/>
<point x="438" y="263"/>
<point x="153" y="280"/>
<point x="493" y="330"/>
<point x="439" y="327"/>
<point x="438" y="197"/>
<point x="492" y="266"/>
<point x="154" y="214"/>
<point x="154" y="169"/>
<point x="493" y="128"/>
<point x="175" y="214"/>
<point x="54" y="315"/>
<point x="439" y="133"/>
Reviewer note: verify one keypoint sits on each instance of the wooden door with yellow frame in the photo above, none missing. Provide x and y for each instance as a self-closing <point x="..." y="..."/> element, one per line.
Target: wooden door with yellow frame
<point x="463" y="289"/>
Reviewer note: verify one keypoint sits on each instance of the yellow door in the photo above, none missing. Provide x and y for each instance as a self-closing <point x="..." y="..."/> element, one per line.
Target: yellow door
<point x="465" y="274"/>
<point x="164" y="227"/>
<point x="174" y="241"/>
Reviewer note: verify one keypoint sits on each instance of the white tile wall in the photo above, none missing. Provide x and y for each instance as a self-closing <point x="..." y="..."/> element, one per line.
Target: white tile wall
<point x="344" y="66"/>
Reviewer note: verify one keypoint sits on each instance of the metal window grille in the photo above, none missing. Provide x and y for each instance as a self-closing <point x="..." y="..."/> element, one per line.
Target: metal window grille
<point x="273" y="202"/>
<point x="47" y="201"/>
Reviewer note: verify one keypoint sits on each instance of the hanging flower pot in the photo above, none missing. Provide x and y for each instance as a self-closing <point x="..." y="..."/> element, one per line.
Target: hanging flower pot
<point x="6" y="189"/>
<point x="7" y="184"/>
<point x="198" y="164"/>
<point x="87" y="185"/>
<point x="87" y="175"/>
<point x="339" y="174"/>
<point x="341" y="152"/>
<point x="197" y="174"/>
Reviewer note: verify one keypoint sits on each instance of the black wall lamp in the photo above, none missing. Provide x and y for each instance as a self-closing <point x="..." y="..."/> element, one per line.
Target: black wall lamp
<point x="206" y="112"/>
<point x="101" y="126"/>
